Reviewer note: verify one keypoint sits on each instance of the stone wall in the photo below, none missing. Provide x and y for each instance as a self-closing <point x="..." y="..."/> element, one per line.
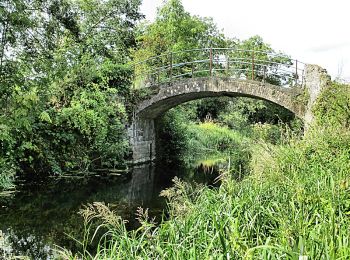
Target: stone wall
<point x="142" y="140"/>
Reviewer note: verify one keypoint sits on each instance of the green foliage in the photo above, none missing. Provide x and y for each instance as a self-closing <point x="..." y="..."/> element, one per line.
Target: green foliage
<point x="175" y="30"/>
<point x="7" y="174"/>
<point x="210" y="139"/>
<point x="240" y="113"/>
<point x="333" y="106"/>
<point x="297" y="206"/>
<point x="234" y="120"/>
<point x="92" y="128"/>
<point x="208" y="136"/>
<point x="211" y="108"/>
<point x="262" y="54"/>
<point x="172" y="135"/>
<point x="267" y="132"/>
<point x="64" y="79"/>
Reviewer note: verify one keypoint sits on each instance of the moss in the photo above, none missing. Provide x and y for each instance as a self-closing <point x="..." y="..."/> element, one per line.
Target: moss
<point x="303" y="96"/>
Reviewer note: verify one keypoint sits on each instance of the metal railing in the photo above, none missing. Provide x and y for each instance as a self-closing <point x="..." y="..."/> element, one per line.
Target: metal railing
<point x="274" y="68"/>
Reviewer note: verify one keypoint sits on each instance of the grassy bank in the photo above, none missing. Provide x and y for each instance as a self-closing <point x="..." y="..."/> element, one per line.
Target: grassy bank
<point x="298" y="204"/>
<point x="211" y="140"/>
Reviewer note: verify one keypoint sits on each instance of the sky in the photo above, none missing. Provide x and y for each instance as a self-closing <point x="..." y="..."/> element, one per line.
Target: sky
<point x="312" y="31"/>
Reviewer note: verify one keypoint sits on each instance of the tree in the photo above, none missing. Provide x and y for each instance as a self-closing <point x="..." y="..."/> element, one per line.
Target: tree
<point x="175" y="30"/>
<point x="63" y="80"/>
<point x="256" y="59"/>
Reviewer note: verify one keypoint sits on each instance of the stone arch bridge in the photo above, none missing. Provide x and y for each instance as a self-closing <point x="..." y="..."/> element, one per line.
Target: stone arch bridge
<point x="176" y="78"/>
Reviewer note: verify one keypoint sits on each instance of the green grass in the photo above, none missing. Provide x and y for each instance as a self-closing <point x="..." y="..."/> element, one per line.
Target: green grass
<point x="297" y="204"/>
<point x="212" y="138"/>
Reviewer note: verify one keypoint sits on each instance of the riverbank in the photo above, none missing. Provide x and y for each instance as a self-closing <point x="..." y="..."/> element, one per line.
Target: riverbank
<point x="297" y="205"/>
<point x="293" y="202"/>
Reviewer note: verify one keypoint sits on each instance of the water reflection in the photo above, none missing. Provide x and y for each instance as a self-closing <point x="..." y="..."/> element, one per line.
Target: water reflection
<point x="42" y="215"/>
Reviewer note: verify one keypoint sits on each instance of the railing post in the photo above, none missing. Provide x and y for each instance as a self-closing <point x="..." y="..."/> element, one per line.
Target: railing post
<point x="192" y="69"/>
<point x="264" y="77"/>
<point x="211" y="61"/>
<point x="227" y="65"/>
<point x="253" y="65"/>
<point x="302" y="77"/>
<point x="296" y="72"/>
<point x="171" y="66"/>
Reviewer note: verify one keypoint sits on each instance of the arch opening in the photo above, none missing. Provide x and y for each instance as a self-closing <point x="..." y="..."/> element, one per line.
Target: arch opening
<point x="179" y="92"/>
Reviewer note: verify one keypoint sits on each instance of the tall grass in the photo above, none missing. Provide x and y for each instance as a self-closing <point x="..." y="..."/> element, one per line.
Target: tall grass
<point x="296" y="205"/>
<point x="212" y="138"/>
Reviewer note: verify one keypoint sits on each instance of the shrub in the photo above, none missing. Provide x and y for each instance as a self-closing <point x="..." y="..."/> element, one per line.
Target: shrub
<point x="333" y="106"/>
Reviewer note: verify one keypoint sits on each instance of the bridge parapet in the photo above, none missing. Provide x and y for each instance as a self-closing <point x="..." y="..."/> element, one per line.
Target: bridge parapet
<point x="258" y="65"/>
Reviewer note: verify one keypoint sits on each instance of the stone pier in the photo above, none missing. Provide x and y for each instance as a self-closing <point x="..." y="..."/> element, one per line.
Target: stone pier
<point x="316" y="79"/>
<point x="142" y="140"/>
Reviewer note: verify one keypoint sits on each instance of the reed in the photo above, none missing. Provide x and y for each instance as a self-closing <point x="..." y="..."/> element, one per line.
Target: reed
<point x="296" y="206"/>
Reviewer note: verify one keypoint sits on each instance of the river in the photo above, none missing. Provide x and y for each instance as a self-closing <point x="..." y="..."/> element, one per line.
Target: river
<point x="43" y="214"/>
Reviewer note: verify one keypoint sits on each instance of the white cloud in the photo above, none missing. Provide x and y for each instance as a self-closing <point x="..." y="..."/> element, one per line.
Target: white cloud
<point x="314" y="31"/>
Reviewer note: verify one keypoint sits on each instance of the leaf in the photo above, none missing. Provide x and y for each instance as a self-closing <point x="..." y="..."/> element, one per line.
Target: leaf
<point x="45" y="117"/>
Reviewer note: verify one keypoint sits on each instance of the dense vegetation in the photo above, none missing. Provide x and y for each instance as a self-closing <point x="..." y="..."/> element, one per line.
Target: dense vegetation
<point x="290" y="200"/>
<point x="65" y="102"/>
<point x="64" y="85"/>
<point x="65" y="79"/>
<point x="282" y="196"/>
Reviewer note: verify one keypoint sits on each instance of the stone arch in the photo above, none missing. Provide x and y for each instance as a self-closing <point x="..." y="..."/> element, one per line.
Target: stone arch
<point x="167" y="95"/>
<point x="172" y="94"/>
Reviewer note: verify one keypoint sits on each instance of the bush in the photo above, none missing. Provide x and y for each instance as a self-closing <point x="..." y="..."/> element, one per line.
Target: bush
<point x="267" y="132"/>
<point x="84" y="131"/>
<point x="172" y="135"/>
<point x="333" y="106"/>
<point x="207" y="140"/>
<point x="234" y="120"/>
<point x="212" y="138"/>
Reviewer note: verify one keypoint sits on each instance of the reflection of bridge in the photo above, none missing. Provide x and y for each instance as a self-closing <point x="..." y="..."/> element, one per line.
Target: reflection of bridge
<point x="179" y="77"/>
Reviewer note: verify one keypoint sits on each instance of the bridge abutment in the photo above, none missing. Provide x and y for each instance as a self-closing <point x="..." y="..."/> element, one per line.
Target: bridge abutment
<point x="142" y="140"/>
<point x="316" y="80"/>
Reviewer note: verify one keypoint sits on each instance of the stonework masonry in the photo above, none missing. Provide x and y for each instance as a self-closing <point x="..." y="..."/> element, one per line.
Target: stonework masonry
<point x="142" y="140"/>
<point x="142" y="131"/>
<point x="173" y="94"/>
<point x="316" y="79"/>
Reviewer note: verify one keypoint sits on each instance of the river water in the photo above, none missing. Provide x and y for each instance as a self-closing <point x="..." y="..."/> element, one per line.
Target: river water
<point x="43" y="214"/>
